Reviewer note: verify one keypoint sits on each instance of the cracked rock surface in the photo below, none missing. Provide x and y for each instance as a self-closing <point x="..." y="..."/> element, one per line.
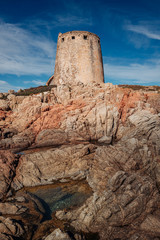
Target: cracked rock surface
<point x="103" y="134"/>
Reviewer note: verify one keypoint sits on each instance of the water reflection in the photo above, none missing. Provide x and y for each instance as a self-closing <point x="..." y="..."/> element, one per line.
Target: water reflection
<point x="62" y="195"/>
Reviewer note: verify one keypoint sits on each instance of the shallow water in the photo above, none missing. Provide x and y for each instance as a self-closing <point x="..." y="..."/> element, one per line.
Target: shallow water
<point x="34" y="150"/>
<point x="61" y="196"/>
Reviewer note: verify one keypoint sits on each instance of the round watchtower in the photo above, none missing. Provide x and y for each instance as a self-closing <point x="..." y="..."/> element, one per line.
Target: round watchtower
<point x="78" y="58"/>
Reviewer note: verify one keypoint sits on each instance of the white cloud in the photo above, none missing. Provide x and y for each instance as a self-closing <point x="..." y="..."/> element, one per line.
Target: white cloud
<point x="25" y="53"/>
<point x="5" y="86"/>
<point x="147" y="73"/>
<point x="144" y="30"/>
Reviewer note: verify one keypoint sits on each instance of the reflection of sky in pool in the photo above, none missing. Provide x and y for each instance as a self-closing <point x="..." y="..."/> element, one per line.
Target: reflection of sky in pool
<point x="63" y="196"/>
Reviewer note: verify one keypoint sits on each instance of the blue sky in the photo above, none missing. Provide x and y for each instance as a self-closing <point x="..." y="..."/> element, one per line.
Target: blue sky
<point x="129" y="32"/>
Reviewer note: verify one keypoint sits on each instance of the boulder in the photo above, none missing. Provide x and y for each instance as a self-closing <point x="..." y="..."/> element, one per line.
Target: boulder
<point x="45" y="167"/>
<point x="57" y="234"/>
<point x="4" y="105"/>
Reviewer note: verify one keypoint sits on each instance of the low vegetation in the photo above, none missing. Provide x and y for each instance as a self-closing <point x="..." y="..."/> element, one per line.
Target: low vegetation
<point x="140" y="87"/>
<point x="35" y="90"/>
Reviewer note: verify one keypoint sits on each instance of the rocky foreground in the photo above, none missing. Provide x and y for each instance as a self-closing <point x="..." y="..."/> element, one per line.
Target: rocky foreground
<point x="104" y="134"/>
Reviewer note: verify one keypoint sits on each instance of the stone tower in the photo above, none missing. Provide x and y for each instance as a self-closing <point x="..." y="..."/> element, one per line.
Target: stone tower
<point x="78" y="58"/>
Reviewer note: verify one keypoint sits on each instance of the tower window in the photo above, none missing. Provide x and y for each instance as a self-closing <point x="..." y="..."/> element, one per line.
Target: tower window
<point x="73" y="37"/>
<point x="62" y="39"/>
<point x="98" y="41"/>
<point x="85" y="37"/>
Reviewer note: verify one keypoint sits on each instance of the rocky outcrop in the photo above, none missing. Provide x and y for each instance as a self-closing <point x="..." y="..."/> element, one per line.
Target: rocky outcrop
<point x="24" y="213"/>
<point x="70" y="162"/>
<point x="4" y="105"/>
<point x="104" y="134"/>
<point x="8" y="163"/>
<point x="9" y="229"/>
<point x="79" y="113"/>
<point x="57" y="234"/>
<point x="124" y="201"/>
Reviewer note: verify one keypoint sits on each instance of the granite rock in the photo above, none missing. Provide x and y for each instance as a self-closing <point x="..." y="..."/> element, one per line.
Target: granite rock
<point x="102" y="133"/>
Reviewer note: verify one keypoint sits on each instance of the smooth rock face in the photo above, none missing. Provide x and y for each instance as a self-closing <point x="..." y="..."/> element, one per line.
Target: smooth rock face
<point x="49" y="137"/>
<point x="105" y="134"/>
<point x="48" y="166"/>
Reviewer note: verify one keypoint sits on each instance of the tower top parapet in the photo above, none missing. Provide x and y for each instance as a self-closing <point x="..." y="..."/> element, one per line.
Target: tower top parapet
<point x="78" y="33"/>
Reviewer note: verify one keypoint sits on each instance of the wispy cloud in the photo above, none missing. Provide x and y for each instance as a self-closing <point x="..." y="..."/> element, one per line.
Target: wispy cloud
<point x="71" y="20"/>
<point x="146" y="73"/>
<point x="25" y="53"/>
<point x="146" y="30"/>
<point x="57" y="21"/>
<point x="36" y="82"/>
<point x="5" y="86"/>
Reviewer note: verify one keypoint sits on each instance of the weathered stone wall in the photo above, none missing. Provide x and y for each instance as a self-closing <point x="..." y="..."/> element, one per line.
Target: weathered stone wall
<point x="78" y="58"/>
